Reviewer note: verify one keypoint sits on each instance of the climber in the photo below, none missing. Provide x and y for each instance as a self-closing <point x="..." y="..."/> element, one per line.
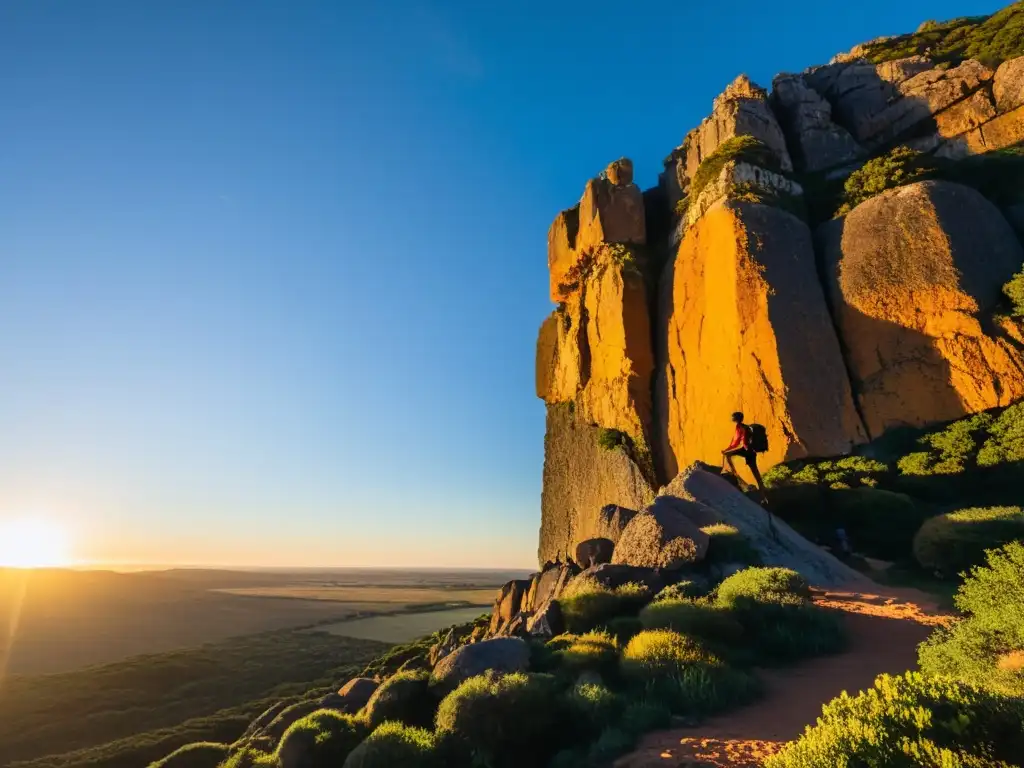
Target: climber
<point x="743" y="445"/>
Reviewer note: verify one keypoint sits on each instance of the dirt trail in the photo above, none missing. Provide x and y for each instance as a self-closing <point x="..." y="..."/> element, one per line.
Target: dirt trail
<point x="885" y="628"/>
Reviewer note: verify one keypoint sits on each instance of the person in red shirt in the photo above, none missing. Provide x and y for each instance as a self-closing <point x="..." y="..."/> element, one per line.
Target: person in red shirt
<point x="740" y="446"/>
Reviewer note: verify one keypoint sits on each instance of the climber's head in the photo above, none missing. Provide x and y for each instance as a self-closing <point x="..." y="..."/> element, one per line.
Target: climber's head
<point x="738" y="417"/>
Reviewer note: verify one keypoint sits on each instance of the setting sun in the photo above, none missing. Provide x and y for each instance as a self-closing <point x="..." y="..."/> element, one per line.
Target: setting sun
<point x="33" y="543"/>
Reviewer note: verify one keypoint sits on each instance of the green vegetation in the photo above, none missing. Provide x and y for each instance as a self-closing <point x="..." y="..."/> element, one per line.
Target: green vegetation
<point x="586" y="604"/>
<point x="728" y="545"/>
<point x="596" y="650"/>
<point x="1014" y="292"/>
<point x="749" y="192"/>
<point x="204" y="754"/>
<point x="762" y="585"/>
<point x="953" y="542"/>
<point x="322" y="739"/>
<point x="682" y="590"/>
<point x="395" y="744"/>
<point x="700" y="620"/>
<point x="657" y="653"/>
<point x="405" y="697"/>
<point x="986" y="646"/>
<point x="610" y="439"/>
<point x="740" y="149"/>
<point x="509" y="721"/>
<point x="990" y="39"/>
<point x="912" y="720"/>
<point x="140" y="710"/>
<point x="896" y="168"/>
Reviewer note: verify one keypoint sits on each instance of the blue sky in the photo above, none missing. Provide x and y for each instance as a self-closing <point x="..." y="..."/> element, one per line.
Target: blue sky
<point x="271" y="272"/>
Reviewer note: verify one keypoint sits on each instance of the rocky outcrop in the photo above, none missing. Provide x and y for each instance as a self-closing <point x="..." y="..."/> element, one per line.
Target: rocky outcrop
<point x="508" y="603"/>
<point x="580" y="478"/>
<point x="747" y="328"/>
<point x="914" y="274"/>
<point x="736" y="179"/>
<point x="774" y="540"/>
<point x="355" y="693"/>
<point x="741" y="110"/>
<point x="1008" y="86"/>
<point x="818" y="142"/>
<point x="594" y="552"/>
<point x="660" y="538"/>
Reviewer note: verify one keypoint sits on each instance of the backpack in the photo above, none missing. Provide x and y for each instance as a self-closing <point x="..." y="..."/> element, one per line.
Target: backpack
<point x="758" y="438"/>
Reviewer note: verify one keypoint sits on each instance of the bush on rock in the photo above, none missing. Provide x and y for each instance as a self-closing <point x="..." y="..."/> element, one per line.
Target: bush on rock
<point x="204" y="754"/>
<point x="597" y="651"/>
<point x="587" y="604"/>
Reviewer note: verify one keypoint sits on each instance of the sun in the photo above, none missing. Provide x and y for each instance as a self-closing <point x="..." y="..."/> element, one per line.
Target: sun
<point x="33" y="543"/>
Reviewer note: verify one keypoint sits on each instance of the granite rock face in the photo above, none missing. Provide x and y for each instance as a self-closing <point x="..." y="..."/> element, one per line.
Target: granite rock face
<point x="817" y="140"/>
<point x="913" y="275"/>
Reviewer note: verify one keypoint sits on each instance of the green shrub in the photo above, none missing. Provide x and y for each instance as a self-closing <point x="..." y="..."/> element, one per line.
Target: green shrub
<point x="203" y="754"/>
<point x="985" y="647"/>
<point x="898" y="167"/>
<point x="741" y="149"/>
<point x="598" y="651"/>
<point x="682" y="590"/>
<point x="657" y="653"/>
<point x="762" y="585"/>
<point x="953" y="542"/>
<point x="643" y="715"/>
<point x="610" y="439"/>
<point x="782" y="624"/>
<point x="911" y="720"/>
<point x="510" y="720"/>
<point x="682" y="206"/>
<point x="728" y="545"/>
<point x="699" y="620"/>
<point x="624" y="627"/>
<point x="950" y="450"/>
<point x="587" y="604"/>
<point x="1005" y="441"/>
<point x="848" y="471"/>
<point x="878" y="523"/>
<point x="324" y="738"/>
<point x="395" y="744"/>
<point x="990" y="39"/>
<point x="595" y="704"/>
<point x="703" y="689"/>
<point x="405" y="698"/>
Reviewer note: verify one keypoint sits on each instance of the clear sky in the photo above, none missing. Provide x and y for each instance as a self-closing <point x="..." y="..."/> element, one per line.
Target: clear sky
<point x="271" y="272"/>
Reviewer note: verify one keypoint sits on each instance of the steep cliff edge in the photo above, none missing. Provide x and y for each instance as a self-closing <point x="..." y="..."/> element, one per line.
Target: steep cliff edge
<point x="826" y="329"/>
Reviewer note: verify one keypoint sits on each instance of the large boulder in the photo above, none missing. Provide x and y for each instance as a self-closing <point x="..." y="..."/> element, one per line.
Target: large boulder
<point x="806" y="118"/>
<point x="547" y="621"/>
<point x="661" y="538"/>
<point x="355" y="693"/>
<point x="594" y="552"/>
<point x="1005" y="130"/>
<point x="502" y="654"/>
<point x="580" y="478"/>
<point x="549" y="584"/>
<point x="1008" y="85"/>
<point x="914" y="275"/>
<point x="745" y="327"/>
<point x="777" y="543"/>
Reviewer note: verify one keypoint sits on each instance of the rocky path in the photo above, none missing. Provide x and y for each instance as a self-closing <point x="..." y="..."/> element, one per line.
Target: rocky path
<point x="885" y="628"/>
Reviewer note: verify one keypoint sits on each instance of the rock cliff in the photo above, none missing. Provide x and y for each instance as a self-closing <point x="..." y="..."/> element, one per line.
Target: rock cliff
<point x="734" y="285"/>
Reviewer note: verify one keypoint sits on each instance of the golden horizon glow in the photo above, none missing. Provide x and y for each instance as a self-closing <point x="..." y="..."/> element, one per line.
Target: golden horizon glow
<point x="33" y="543"/>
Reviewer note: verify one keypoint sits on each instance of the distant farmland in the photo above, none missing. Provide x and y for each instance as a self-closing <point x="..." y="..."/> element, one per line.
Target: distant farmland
<point x="398" y="595"/>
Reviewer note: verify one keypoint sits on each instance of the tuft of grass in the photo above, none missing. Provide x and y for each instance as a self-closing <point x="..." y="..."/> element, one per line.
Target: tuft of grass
<point x="727" y="545"/>
<point x="610" y="439"/>
<point x="763" y="585"/>
<point x="405" y="697"/>
<point x="741" y="149"/>
<point x="203" y="754"/>
<point x="657" y="653"/>
<point x="703" y="621"/>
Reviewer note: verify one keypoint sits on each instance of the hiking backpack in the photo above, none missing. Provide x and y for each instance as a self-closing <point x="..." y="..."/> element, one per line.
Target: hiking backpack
<point x="758" y="438"/>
